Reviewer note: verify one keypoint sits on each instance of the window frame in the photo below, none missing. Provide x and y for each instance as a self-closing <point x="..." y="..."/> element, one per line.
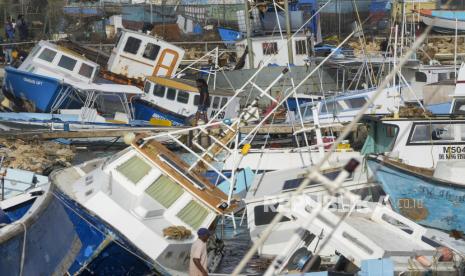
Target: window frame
<point x="270" y="48"/>
<point x="155" y="53"/>
<point x="217" y="102"/>
<point x="184" y="93"/>
<point x="47" y="49"/>
<point x="196" y="100"/>
<point x="434" y="142"/>
<point x="168" y="93"/>
<point x="454" y="107"/>
<point x="299" y="48"/>
<point x="127" y="43"/>
<point x="91" y="72"/>
<point x="155" y="91"/>
<point x="69" y="58"/>
<point x="147" y="87"/>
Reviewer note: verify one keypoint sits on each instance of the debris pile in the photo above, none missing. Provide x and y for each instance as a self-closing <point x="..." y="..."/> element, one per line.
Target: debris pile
<point x="371" y="48"/>
<point x="413" y="112"/>
<point x="38" y="157"/>
<point x="442" y="49"/>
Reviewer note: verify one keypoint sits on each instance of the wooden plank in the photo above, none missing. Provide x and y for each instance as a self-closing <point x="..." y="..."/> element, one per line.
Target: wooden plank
<point x="48" y="135"/>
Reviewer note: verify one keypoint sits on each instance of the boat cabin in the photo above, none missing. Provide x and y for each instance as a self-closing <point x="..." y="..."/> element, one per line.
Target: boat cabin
<point x="181" y="96"/>
<point x="344" y="107"/>
<point x="137" y="55"/>
<point x="419" y="77"/>
<point x="276" y="48"/>
<point x="420" y="142"/>
<point x="54" y="61"/>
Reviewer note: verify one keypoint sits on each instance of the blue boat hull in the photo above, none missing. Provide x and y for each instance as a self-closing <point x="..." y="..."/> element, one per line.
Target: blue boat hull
<point x="144" y="111"/>
<point x="104" y="250"/>
<point x="41" y="91"/>
<point x="47" y="245"/>
<point x="428" y="201"/>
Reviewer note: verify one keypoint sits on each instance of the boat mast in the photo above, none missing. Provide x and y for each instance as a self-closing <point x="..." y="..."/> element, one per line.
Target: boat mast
<point x="249" y="40"/>
<point x="288" y="32"/>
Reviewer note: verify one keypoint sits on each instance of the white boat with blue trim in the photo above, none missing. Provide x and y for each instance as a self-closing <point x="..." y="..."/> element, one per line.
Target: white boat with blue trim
<point x="174" y="102"/>
<point x="419" y="163"/>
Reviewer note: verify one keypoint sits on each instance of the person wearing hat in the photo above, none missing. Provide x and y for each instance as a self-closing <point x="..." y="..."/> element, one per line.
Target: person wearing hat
<point x="198" y="259"/>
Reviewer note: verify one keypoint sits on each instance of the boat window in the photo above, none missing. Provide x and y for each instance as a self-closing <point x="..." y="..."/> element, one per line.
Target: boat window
<point x="151" y="51"/>
<point x="269" y="48"/>
<point x="223" y="102"/>
<point x="193" y="214"/>
<point x="442" y="76"/>
<point x="34" y="51"/>
<point x="86" y="70"/>
<point x="356" y="102"/>
<point x="159" y="91"/>
<point x="300" y="47"/>
<point x="196" y="100"/>
<point x="264" y="214"/>
<point x="67" y="63"/>
<point x="147" y="87"/>
<point x="118" y="38"/>
<point x="307" y="111"/>
<point x="432" y="133"/>
<point x="459" y="107"/>
<point x="216" y="102"/>
<point x="183" y="97"/>
<point x="165" y="191"/>
<point x="171" y="94"/>
<point x="134" y="169"/>
<point x="132" y="45"/>
<point x="292" y="184"/>
<point x="420" y="77"/>
<point x="47" y="55"/>
<point x="330" y="107"/>
<point x="452" y="75"/>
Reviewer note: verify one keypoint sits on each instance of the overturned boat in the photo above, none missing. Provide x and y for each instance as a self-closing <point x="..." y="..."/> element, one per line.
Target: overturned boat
<point x="143" y="207"/>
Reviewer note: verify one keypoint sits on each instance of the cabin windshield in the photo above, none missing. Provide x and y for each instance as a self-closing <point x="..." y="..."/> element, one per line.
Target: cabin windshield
<point x="440" y="133"/>
<point x="330" y="107"/>
<point x="47" y="55"/>
<point x="380" y="138"/>
<point x="67" y="63"/>
<point x="147" y="87"/>
<point x="459" y="107"/>
<point x="86" y="70"/>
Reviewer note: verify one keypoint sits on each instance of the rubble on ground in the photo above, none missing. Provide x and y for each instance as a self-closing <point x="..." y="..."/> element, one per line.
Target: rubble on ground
<point x="37" y="156"/>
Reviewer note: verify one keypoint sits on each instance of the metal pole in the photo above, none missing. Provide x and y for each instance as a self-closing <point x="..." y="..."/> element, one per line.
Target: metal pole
<point x="288" y="32"/>
<point x="455" y="48"/>
<point x="249" y="40"/>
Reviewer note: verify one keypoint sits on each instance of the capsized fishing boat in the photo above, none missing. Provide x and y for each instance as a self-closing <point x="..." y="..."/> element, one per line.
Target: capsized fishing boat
<point x="419" y="163"/>
<point x="444" y="20"/>
<point x="171" y="101"/>
<point x="52" y="76"/>
<point x="142" y="206"/>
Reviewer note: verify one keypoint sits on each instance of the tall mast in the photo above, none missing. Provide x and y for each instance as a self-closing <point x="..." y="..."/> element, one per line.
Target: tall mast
<point x="288" y="32"/>
<point x="249" y="40"/>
